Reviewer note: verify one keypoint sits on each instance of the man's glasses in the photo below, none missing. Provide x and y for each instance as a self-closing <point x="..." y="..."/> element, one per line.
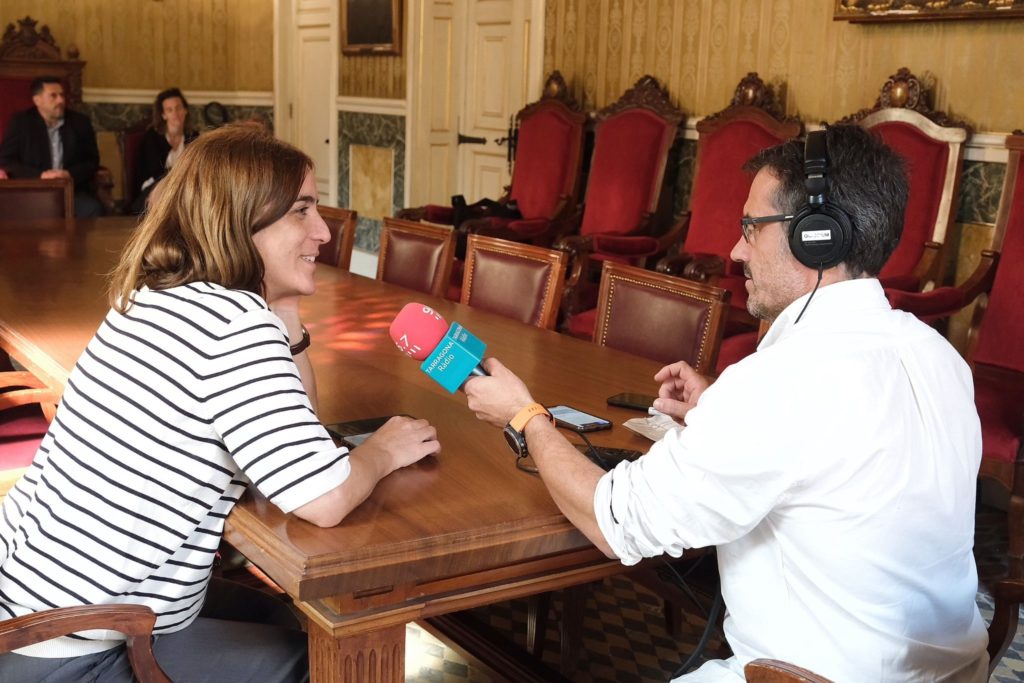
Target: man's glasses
<point x="749" y="225"/>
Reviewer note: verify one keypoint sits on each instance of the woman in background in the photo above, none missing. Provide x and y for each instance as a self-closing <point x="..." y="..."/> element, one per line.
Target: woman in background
<point x="162" y="144"/>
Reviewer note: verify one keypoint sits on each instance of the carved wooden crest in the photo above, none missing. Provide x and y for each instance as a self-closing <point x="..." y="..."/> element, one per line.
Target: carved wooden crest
<point x="555" y="88"/>
<point x="555" y="91"/>
<point x="24" y="42"/>
<point x="904" y="90"/>
<point x="753" y="92"/>
<point x="646" y="93"/>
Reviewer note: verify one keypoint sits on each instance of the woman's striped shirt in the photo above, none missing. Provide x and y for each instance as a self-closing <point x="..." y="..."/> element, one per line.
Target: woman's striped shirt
<point x="170" y="412"/>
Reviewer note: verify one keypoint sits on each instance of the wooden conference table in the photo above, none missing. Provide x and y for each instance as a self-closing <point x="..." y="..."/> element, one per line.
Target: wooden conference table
<point x="450" y="533"/>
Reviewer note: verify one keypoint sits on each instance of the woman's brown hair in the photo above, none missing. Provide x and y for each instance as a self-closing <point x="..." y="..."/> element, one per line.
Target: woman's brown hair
<point x="159" y="125"/>
<point x="226" y="186"/>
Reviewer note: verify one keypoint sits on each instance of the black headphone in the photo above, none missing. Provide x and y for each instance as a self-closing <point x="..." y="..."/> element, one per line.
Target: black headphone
<point x="822" y="233"/>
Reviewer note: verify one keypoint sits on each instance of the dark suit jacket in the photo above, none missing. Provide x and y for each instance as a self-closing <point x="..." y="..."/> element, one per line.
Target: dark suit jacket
<point x="25" y="150"/>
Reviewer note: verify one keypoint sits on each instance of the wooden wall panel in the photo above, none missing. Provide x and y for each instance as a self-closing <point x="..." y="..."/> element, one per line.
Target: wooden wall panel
<point x="701" y="49"/>
<point x="372" y="76"/>
<point x="144" y="44"/>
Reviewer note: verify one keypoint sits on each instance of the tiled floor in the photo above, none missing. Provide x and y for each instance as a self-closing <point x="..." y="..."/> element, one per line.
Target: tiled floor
<point x="624" y="635"/>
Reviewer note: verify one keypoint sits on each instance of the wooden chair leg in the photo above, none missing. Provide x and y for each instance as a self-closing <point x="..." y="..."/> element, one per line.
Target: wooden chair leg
<point x="538" y="607"/>
<point x="1015" y="532"/>
<point x="574" y="601"/>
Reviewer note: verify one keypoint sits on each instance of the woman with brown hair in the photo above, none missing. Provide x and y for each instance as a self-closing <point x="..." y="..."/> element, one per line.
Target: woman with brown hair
<point x="196" y="385"/>
<point x="162" y="143"/>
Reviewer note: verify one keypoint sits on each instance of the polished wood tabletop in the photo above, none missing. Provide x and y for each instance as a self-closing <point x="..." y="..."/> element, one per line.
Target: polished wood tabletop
<point x="457" y="530"/>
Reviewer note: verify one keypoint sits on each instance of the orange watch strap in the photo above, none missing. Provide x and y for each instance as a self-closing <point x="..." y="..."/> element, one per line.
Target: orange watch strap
<point x="518" y="422"/>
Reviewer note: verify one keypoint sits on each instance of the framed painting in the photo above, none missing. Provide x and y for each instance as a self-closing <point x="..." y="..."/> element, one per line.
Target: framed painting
<point x="371" y="27"/>
<point x="925" y="10"/>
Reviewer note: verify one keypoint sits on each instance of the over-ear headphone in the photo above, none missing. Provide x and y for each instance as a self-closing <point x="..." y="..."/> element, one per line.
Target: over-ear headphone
<point x="822" y="233"/>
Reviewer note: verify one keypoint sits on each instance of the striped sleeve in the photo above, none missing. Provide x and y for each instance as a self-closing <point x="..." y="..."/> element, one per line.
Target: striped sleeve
<point x="259" y="408"/>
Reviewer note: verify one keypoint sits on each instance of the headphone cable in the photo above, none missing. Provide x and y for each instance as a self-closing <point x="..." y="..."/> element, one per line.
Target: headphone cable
<point x="808" y="302"/>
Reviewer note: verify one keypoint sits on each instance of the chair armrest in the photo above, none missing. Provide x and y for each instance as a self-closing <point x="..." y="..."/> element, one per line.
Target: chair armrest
<point x="675" y="234"/>
<point x="1008" y="594"/>
<point x="774" y="671"/>
<point x="697" y="267"/>
<point x="579" y="248"/>
<point x="135" y="621"/>
<point x="412" y="213"/>
<point x="943" y="302"/>
<point x="928" y="266"/>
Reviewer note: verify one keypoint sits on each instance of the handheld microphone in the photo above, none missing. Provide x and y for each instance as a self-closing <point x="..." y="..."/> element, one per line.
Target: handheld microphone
<point x="450" y="354"/>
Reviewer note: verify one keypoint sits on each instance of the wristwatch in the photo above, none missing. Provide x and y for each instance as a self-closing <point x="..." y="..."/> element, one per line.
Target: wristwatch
<point x="302" y="344"/>
<point x="514" y="429"/>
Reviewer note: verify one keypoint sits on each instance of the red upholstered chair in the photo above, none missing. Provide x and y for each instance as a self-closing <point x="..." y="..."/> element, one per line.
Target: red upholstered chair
<point x="26" y="54"/>
<point x="35" y="198"/>
<point x="627" y="213"/>
<point x="416" y="255"/>
<point x="932" y="144"/>
<point x="1008" y="594"/>
<point x="548" y="141"/>
<point x="726" y="140"/>
<point x="660" y="317"/>
<point x="739" y="346"/>
<point x="135" y="621"/>
<point x="547" y="147"/>
<point x="518" y="281"/>
<point x="342" y="224"/>
<point x="994" y="348"/>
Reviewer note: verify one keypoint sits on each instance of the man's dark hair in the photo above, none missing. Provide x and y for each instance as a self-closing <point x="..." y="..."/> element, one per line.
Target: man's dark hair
<point x="866" y="178"/>
<point x="39" y="82"/>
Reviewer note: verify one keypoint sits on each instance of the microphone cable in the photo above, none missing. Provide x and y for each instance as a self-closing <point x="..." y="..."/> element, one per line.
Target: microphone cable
<point x="711" y="616"/>
<point x="597" y="458"/>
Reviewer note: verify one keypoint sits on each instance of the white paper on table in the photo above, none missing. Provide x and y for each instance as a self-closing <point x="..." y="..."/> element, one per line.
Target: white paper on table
<point x="654" y="426"/>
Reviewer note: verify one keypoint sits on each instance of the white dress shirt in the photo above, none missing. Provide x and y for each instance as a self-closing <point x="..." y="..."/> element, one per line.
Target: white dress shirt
<point x="835" y="472"/>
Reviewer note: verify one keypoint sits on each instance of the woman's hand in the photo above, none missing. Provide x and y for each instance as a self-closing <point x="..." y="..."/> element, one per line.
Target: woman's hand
<point x="400" y="442"/>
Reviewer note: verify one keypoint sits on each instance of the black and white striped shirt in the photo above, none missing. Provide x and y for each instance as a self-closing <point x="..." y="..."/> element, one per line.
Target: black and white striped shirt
<point x="170" y="412"/>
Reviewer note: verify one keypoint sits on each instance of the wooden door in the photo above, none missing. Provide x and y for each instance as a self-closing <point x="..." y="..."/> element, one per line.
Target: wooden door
<point x="475" y="63"/>
<point x="306" y="84"/>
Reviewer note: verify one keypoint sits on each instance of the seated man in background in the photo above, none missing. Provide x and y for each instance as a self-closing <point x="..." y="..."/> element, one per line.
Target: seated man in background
<point x="50" y="141"/>
<point x="834" y="469"/>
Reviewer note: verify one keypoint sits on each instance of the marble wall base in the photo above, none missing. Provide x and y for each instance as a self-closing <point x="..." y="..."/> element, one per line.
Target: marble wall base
<point x="385" y="131"/>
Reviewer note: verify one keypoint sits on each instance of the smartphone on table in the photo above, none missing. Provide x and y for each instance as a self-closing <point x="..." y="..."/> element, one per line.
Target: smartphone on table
<point x="577" y="420"/>
<point x="630" y="400"/>
<point x="355" y="432"/>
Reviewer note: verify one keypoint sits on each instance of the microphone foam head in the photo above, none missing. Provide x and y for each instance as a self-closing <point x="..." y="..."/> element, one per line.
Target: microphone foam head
<point x="417" y="329"/>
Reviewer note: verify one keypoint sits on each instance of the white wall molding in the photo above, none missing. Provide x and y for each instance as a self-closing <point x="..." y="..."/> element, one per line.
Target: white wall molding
<point x="979" y="146"/>
<point x="986" y="147"/>
<point x="257" y="98"/>
<point x="372" y="105"/>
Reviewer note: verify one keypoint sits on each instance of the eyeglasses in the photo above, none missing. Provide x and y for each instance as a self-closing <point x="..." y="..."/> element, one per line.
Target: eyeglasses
<point x="749" y="225"/>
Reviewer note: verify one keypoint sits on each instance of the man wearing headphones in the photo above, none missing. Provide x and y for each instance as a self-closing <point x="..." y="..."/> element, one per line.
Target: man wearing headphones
<point x="834" y="469"/>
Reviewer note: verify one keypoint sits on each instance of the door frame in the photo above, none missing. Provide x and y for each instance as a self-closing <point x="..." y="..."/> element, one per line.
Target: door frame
<point x="288" y="19"/>
<point x="414" y="135"/>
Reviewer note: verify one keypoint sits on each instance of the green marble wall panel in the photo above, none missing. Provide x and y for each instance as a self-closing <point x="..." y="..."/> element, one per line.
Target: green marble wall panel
<point x="378" y="130"/>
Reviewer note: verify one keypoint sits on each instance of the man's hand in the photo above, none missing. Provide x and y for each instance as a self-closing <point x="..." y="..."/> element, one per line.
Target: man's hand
<point x="681" y="386"/>
<point x="400" y="442"/>
<point x="496" y="399"/>
<point x="54" y="173"/>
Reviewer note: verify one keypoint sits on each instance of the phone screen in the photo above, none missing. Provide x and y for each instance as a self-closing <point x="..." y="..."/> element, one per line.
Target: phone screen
<point x="577" y="419"/>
